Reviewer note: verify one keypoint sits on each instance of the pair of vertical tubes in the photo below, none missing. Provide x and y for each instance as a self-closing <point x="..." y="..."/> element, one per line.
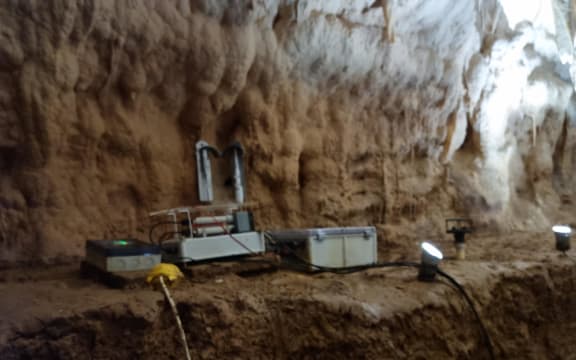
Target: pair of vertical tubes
<point x="204" y="170"/>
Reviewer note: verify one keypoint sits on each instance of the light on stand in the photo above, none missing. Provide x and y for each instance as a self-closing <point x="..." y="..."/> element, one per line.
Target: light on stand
<point x="459" y="228"/>
<point x="431" y="257"/>
<point x="562" y="233"/>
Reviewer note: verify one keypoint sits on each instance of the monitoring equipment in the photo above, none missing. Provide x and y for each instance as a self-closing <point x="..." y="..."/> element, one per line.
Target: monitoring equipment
<point x="207" y="232"/>
<point x="201" y="233"/>
<point x="340" y="247"/>
<point x="122" y="255"/>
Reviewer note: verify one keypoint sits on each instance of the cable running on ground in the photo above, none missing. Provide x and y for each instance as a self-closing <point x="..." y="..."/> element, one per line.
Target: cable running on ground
<point x="485" y="335"/>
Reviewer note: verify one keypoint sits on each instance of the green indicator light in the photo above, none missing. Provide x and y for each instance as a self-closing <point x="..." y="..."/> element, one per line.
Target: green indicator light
<point x="121" y="242"/>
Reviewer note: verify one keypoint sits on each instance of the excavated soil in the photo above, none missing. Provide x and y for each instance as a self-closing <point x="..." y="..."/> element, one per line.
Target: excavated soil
<point x="523" y="290"/>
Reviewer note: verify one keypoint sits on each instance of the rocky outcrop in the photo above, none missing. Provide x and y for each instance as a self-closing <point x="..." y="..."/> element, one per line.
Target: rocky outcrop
<point x="352" y="112"/>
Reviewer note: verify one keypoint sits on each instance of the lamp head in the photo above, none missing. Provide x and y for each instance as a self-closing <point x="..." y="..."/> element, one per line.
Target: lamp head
<point x="562" y="233"/>
<point x="430" y="259"/>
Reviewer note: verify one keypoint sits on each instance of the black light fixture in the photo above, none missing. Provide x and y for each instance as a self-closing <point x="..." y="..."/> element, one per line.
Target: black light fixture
<point x="459" y="227"/>
<point x="562" y="233"/>
<point x="431" y="257"/>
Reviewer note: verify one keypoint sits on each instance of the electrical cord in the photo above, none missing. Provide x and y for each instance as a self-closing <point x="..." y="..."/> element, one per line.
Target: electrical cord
<point x="451" y="280"/>
<point x="153" y="227"/>
<point x="353" y="269"/>
<point x="460" y="288"/>
<point x="174" y="258"/>
<point x="307" y="266"/>
<point x="166" y="236"/>
<point x="222" y="225"/>
<point x="341" y="271"/>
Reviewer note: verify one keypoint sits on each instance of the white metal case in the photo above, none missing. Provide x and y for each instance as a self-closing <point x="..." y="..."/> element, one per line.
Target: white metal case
<point x="333" y="247"/>
<point x="220" y="246"/>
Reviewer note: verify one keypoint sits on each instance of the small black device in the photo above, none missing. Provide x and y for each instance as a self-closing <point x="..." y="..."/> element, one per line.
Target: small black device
<point x="459" y="227"/>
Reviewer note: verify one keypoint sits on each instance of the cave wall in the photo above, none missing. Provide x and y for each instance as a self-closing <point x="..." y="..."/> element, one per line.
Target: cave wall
<point x="351" y="113"/>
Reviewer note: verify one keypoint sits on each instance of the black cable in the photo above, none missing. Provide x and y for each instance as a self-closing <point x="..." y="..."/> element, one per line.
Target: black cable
<point x="341" y="271"/>
<point x="153" y="227"/>
<point x="305" y="266"/>
<point x="165" y="236"/>
<point x="227" y="232"/>
<point x="308" y="266"/>
<point x="353" y="269"/>
<point x="349" y="270"/>
<point x="485" y="334"/>
<point x="174" y="259"/>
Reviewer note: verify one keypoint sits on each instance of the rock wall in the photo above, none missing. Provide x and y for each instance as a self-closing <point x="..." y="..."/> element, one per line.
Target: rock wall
<point x="352" y="112"/>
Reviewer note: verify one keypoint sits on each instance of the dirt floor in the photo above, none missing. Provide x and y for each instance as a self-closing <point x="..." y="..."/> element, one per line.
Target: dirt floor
<point x="523" y="289"/>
